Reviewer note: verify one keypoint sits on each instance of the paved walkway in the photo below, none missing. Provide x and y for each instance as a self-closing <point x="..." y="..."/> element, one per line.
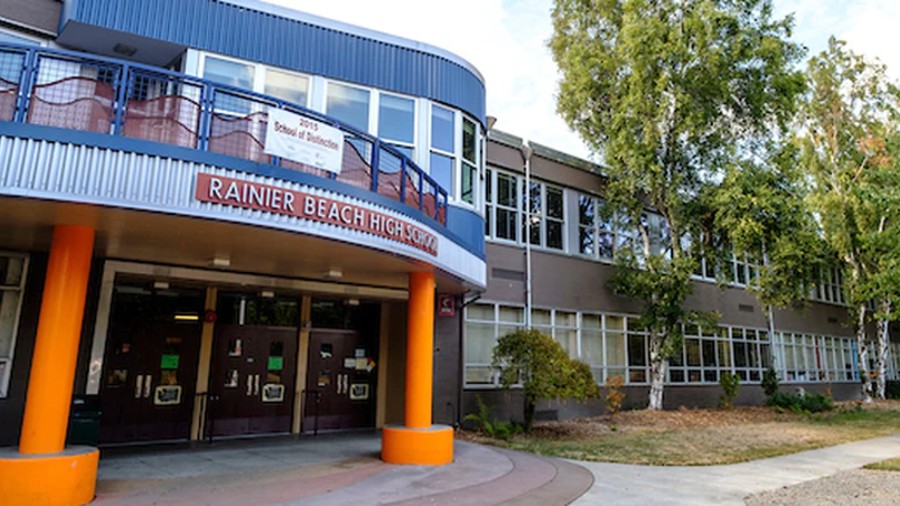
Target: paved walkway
<point x="622" y="484"/>
<point x="344" y="469"/>
<point x="331" y="470"/>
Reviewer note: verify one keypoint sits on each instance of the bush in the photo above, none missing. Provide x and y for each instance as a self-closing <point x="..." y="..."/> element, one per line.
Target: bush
<point x="770" y="382"/>
<point x="614" y="394"/>
<point x="490" y="426"/>
<point x="730" y="383"/>
<point x="543" y="368"/>
<point x="809" y="403"/>
<point x="892" y="389"/>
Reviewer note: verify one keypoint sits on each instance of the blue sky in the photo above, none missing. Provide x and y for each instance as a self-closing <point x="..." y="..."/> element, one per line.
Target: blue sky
<point x="506" y="41"/>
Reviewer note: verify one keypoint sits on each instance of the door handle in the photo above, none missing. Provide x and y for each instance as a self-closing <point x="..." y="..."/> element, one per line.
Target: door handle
<point x="338" y="385"/>
<point x="147" y="379"/>
<point x="256" y="385"/>
<point x="138" y="385"/>
<point x="249" y="385"/>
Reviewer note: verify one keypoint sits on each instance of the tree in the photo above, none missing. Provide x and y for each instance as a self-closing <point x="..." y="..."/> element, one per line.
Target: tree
<point x="669" y="92"/>
<point x="848" y="119"/>
<point x="543" y="368"/>
<point x="760" y="209"/>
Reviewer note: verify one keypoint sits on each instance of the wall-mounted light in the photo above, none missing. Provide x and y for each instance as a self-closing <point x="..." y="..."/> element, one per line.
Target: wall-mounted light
<point x="267" y="294"/>
<point x="187" y="317"/>
<point x="161" y="285"/>
<point x="124" y="50"/>
<point x="352" y="302"/>
<point x="333" y="274"/>
<point x="220" y="262"/>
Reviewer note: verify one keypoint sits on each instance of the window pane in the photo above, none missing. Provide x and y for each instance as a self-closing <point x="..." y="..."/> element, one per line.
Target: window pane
<point x="506" y="190"/>
<point x="479" y="342"/>
<point x="467" y="192"/>
<point x="396" y="118"/>
<point x="9" y="306"/>
<point x="484" y="312"/>
<point x="636" y="350"/>
<point x="11" y="270"/>
<point x="469" y="141"/>
<point x="442" y="129"/>
<point x="554" y="234"/>
<point x="442" y="170"/>
<point x="554" y="203"/>
<point x="506" y="224"/>
<point x="512" y="314"/>
<point x="228" y="72"/>
<point x="586" y="240"/>
<point x="585" y="210"/>
<point x="615" y="348"/>
<point x="348" y="104"/>
<point x="288" y="87"/>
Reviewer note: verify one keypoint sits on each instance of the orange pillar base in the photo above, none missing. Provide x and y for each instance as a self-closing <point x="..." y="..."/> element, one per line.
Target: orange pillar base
<point x="65" y="478"/>
<point x="429" y="446"/>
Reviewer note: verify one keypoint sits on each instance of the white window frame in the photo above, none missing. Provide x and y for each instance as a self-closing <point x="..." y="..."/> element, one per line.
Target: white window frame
<point x="8" y="361"/>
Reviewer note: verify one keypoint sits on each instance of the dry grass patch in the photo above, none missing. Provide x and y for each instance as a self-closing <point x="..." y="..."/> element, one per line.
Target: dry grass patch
<point x="703" y="436"/>
<point x="885" y="465"/>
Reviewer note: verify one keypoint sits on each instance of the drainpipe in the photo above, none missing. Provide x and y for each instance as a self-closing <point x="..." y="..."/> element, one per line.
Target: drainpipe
<point x="527" y="152"/>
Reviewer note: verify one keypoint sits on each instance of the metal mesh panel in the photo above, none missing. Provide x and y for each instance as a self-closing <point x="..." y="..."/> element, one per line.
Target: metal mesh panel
<point x="412" y="188"/>
<point x="354" y="168"/>
<point x="389" y="166"/>
<point x="238" y="127"/>
<point x="73" y="95"/>
<point x="11" y="63"/>
<point x="162" y="109"/>
<point x="429" y="203"/>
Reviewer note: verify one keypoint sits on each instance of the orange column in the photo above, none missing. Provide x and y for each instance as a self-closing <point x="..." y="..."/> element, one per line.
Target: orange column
<point x="43" y="470"/>
<point x="56" y="345"/>
<point x="418" y="441"/>
<point x="419" y="350"/>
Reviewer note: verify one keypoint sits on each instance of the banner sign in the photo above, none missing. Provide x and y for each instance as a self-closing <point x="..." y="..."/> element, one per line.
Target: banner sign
<point x="262" y="197"/>
<point x="304" y="140"/>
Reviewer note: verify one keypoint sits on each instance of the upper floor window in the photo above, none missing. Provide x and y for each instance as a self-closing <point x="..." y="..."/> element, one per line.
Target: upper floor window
<point x="506" y="208"/>
<point x="286" y="86"/>
<point x="397" y="122"/>
<point x="232" y="73"/>
<point x="348" y="104"/>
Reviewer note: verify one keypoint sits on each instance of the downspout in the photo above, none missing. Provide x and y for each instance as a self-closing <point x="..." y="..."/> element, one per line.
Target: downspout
<point x="527" y="152"/>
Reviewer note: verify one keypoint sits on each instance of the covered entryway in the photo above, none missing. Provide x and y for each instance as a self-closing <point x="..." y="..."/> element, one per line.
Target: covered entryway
<point x="254" y="364"/>
<point x="147" y="388"/>
<point x="341" y="373"/>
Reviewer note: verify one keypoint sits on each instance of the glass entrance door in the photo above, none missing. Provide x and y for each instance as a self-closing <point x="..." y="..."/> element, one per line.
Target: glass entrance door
<point x="254" y="365"/>
<point x="150" y="364"/>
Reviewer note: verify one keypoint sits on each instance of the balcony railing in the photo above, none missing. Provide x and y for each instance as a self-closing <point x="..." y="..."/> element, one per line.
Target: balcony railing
<point x="84" y="92"/>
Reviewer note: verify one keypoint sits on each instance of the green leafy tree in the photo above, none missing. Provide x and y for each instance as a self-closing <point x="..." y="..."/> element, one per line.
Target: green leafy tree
<point x="847" y="124"/>
<point x="760" y="209"/>
<point x="543" y="368"/>
<point x="669" y="92"/>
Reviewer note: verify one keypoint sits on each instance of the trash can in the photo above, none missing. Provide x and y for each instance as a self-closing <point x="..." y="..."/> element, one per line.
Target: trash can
<point x="84" y="420"/>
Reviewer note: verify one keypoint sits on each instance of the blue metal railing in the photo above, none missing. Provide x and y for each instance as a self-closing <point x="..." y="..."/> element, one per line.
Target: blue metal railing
<point x="80" y="91"/>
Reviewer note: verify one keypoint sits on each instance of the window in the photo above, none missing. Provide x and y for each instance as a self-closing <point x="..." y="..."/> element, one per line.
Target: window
<point x="13" y="270"/>
<point x="484" y="323"/>
<point x="396" y="122"/>
<point x="289" y="87"/>
<point x="502" y="205"/>
<point x="469" y="169"/>
<point x="348" y="104"/>
<point x="443" y="141"/>
<point x="229" y="72"/>
<point x="600" y="237"/>
<point x="544" y="204"/>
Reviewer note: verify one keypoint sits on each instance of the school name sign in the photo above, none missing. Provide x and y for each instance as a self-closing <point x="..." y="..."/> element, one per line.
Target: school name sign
<point x="304" y="140"/>
<point x="261" y="197"/>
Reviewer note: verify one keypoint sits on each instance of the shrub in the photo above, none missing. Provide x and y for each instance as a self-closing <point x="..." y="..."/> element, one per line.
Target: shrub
<point x="543" y="368"/>
<point x="770" y="382"/>
<point x="490" y="426"/>
<point x="809" y="403"/>
<point x="730" y="383"/>
<point x="892" y="389"/>
<point x="614" y="394"/>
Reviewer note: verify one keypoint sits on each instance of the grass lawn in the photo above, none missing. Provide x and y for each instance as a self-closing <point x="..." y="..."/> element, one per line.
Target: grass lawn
<point x="885" y="465"/>
<point x="696" y="437"/>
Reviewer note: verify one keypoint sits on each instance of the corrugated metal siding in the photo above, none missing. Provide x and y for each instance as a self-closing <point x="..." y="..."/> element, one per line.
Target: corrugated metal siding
<point x="86" y="174"/>
<point x="232" y="30"/>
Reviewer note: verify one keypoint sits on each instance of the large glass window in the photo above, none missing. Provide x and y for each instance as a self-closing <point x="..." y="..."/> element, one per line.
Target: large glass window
<point x="469" y="170"/>
<point x="396" y="122"/>
<point x="239" y="75"/>
<point x="348" y="104"/>
<point x="13" y="269"/>
<point x="290" y="87"/>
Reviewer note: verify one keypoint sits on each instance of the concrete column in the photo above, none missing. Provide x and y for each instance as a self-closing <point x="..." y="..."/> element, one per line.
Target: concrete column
<point x="44" y="471"/>
<point x="418" y="441"/>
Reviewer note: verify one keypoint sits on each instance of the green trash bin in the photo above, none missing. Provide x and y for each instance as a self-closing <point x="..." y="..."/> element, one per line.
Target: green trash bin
<point x="84" y="421"/>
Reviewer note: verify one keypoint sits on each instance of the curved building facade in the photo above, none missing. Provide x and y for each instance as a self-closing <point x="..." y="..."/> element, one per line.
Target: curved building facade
<point x="212" y="236"/>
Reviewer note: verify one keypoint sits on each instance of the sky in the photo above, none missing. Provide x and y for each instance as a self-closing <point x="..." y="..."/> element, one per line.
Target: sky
<point x="507" y="41"/>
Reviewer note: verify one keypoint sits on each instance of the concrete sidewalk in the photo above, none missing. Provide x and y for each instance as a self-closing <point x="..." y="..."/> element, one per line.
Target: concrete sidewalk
<point x="333" y="470"/>
<point x="622" y="484"/>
